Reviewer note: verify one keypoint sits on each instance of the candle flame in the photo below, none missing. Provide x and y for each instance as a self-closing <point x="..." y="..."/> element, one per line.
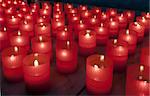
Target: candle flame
<point x="40" y="38"/>
<point x="115" y="41"/>
<point x="96" y="67"/>
<point x="25" y="22"/>
<point x="19" y="33"/>
<point x="97" y="10"/>
<point x="57" y="4"/>
<point x="127" y="31"/>
<point x="86" y="13"/>
<point x="93" y="19"/>
<point x="12" y="17"/>
<point x="101" y="57"/>
<point x="5" y="29"/>
<point x="102" y="24"/>
<point x="141" y="68"/>
<point x="137" y="24"/>
<point x="58" y="9"/>
<point x="81" y="22"/>
<point x="121" y="15"/>
<point x="36" y="54"/>
<point x="111" y="19"/>
<point x="42" y="45"/>
<point x="59" y="24"/>
<point x="87" y="35"/>
<point x="36" y="63"/>
<point x="143" y="18"/>
<point x="12" y="57"/>
<point x="95" y="16"/>
<point x="65" y="29"/>
<point x="68" y="43"/>
<point x="140" y="77"/>
<point x="16" y="49"/>
<point x="45" y="11"/>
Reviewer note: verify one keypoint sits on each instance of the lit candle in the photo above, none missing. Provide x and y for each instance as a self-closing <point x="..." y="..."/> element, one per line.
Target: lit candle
<point x="122" y="21"/>
<point x="66" y="56"/>
<point x="96" y="11"/>
<point x="118" y="51"/>
<point x="42" y="29"/>
<point x="4" y="40"/>
<point x="102" y="34"/>
<point x="145" y="22"/>
<point x="12" y="23"/>
<point x="138" y="28"/>
<point x="19" y="39"/>
<point x="82" y="8"/>
<point x="130" y="37"/>
<point x="112" y="12"/>
<point x="113" y="27"/>
<point x="36" y="72"/>
<point x="137" y="80"/>
<point x="85" y="15"/>
<point x="99" y="74"/>
<point x="87" y="42"/>
<point x="130" y="15"/>
<point x="43" y="45"/>
<point x="12" y="63"/>
<point x="26" y="27"/>
<point x="103" y="16"/>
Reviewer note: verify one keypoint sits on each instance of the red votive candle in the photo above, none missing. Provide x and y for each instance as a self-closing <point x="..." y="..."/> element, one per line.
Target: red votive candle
<point x="12" y="23"/>
<point x="137" y="80"/>
<point x="4" y="40"/>
<point x="96" y="11"/>
<point x="113" y="27"/>
<point x="19" y="39"/>
<point x="92" y="22"/>
<point x="102" y="34"/>
<point x="12" y="63"/>
<point x="130" y="37"/>
<point x="103" y="16"/>
<point x="36" y="72"/>
<point x="66" y="56"/>
<point x="87" y="42"/>
<point x="42" y="44"/>
<point x="42" y="29"/>
<point x="118" y="51"/>
<point x="64" y="33"/>
<point x="57" y="23"/>
<point x="145" y="22"/>
<point x="130" y="15"/>
<point x="85" y="15"/>
<point x="82" y="8"/>
<point x="144" y="56"/>
<point x="26" y="27"/>
<point x="43" y="19"/>
<point x="122" y="19"/>
<point x="2" y="20"/>
<point x="80" y="26"/>
<point x="99" y="74"/>
<point x="112" y="12"/>
<point x="138" y="28"/>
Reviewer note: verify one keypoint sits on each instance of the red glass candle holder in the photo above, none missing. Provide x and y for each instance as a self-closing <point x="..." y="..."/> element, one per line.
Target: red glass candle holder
<point x="112" y="12"/>
<point x="87" y="42"/>
<point x="137" y="80"/>
<point x="99" y="74"/>
<point x="19" y="39"/>
<point x="118" y="52"/>
<point x="96" y="10"/>
<point x="12" y="63"/>
<point x="122" y="19"/>
<point x="66" y="56"/>
<point x="27" y="27"/>
<point x="130" y="37"/>
<point x="4" y="40"/>
<point x="138" y="28"/>
<point x="42" y="44"/>
<point x="130" y="15"/>
<point x="102" y="34"/>
<point x="42" y="29"/>
<point x="103" y="16"/>
<point x="113" y="27"/>
<point x="36" y="70"/>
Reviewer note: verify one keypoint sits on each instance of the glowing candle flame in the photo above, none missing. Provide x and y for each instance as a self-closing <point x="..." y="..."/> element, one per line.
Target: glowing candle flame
<point x="68" y="43"/>
<point x="65" y="29"/>
<point x="12" y="17"/>
<point x="16" y="49"/>
<point x="12" y="57"/>
<point x="96" y="67"/>
<point x="81" y="22"/>
<point x="25" y="22"/>
<point x="115" y="41"/>
<point x="101" y="57"/>
<point x="19" y="33"/>
<point x="143" y="18"/>
<point x="86" y="13"/>
<point x="59" y="24"/>
<point x="40" y="38"/>
<point x="36" y="54"/>
<point x="44" y="11"/>
<point x="5" y="29"/>
<point x="36" y="63"/>
<point x="127" y="31"/>
<point x="137" y="24"/>
<point x="87" y="35"/>
<point x="102" y="24"/>
<point x="97" y="10"/>
<point x="141" y="68"/>
<point x="95" y="16"/>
